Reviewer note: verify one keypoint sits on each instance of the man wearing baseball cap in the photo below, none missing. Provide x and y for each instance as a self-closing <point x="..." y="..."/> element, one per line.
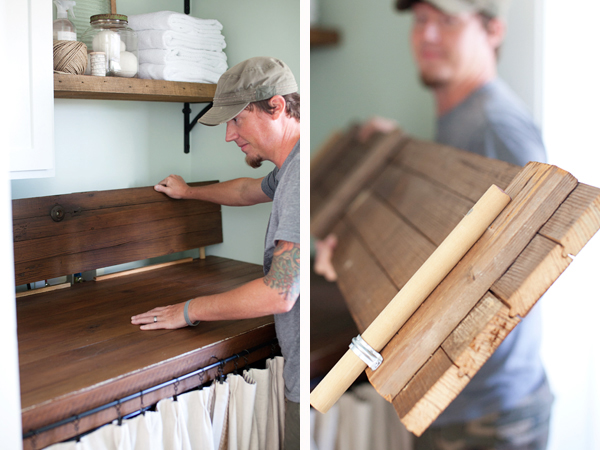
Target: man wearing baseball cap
<point x="258" y="101"/>
<point x="455" y="45"/>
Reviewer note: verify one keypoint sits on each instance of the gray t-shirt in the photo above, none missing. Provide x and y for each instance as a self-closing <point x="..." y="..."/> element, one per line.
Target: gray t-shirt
<point x="283" y="186"/>
<point x="493" y="122"/>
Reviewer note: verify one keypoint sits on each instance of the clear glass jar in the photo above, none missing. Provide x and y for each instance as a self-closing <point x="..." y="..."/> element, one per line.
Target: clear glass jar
<point x="109" y="33"/>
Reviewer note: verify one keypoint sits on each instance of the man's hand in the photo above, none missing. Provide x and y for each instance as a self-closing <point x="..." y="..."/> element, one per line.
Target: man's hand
<point x="324" y="253"/>
<point x="167" y="317"/>
<point x="376" y="125"/>
<point x="173" y="186"/>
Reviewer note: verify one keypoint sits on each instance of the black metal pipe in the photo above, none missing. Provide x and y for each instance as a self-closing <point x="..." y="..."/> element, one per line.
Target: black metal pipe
<point x="189" y="125"/>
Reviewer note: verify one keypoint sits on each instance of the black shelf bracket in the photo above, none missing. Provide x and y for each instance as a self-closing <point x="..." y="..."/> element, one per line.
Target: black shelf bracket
<point x="189" y="125"/>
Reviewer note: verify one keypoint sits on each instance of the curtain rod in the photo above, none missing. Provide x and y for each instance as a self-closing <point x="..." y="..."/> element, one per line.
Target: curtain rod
<point x="116" y="403"/>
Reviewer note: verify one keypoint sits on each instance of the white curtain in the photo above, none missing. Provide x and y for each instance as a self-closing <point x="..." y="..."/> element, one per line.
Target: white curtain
<point x="242" y="413"/>
<point x="360" y="420"/>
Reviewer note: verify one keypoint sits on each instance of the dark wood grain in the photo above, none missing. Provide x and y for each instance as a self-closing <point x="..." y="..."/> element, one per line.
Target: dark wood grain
<point x="462" y="172"/>
<point x="360" y="176"/>
<point x="78" y="348"/>
<point x="106" y="228"/>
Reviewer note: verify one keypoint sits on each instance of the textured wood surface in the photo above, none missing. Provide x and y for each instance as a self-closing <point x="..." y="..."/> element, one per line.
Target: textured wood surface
<point x="396" y="221"/>
<point x="106" y="228"/>
<point x="78" y="348"/>
<point x="487" y="260"/>
<point x="339" y="187"/>
<point x="399" y="309"/>
<point x="115" y="88"/>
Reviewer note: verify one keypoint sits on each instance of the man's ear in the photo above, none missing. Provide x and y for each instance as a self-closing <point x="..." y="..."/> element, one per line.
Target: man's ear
<point x="496" y="29"/>
<point x="278" y="103"/>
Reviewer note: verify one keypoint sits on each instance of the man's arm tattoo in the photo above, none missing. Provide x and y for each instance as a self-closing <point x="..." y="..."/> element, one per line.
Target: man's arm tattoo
<point x="284" y="275"/>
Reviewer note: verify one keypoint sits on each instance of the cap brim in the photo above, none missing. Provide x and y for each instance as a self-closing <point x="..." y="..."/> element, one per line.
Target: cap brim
<point x="447" y="6"/>
<point x="403" y="5"/>
<point x="221" y="114"/>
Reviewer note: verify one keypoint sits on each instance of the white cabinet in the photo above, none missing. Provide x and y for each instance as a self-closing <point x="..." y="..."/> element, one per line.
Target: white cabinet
<point x="28" y="87"/>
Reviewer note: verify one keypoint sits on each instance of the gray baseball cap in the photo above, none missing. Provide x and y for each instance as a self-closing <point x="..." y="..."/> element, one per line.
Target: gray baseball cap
<point x="253" y="80"/>
<point x="492" y="8"/>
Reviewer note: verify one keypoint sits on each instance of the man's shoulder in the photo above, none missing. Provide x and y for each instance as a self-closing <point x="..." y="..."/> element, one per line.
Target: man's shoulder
<point x="495" y="123"/>
<point x="500" y="104"/>
<point x="291" y="167"/>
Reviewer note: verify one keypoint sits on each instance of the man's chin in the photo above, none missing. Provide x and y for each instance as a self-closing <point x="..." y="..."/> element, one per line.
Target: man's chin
<point x="254" y="161"/>
<point x="433" y="80"/>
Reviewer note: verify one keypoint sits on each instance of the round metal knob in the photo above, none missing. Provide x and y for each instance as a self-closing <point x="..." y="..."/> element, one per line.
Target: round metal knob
<point x="57" y="213"/>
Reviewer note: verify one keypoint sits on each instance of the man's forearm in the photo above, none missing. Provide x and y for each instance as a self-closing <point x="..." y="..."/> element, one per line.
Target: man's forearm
<point x="237" y="192"/>
<point x="253" y="299"/>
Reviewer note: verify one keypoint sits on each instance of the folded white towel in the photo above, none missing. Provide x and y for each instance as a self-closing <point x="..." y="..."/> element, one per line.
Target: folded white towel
<point x="166" y="39"/>
<point x="215" y="60"/>
<point x="170" y="20"/>
<point x="195" y="73"/>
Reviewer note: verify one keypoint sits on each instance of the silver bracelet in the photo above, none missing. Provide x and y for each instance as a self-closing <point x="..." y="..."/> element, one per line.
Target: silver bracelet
<point x="186" y="317"/>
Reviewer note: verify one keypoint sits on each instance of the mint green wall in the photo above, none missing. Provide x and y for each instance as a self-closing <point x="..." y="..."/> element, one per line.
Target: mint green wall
<point x="119" y="144"/>
<point x="370" y="72"/>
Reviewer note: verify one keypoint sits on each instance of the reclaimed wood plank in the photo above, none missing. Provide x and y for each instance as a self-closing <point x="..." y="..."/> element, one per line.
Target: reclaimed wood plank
<point x="421" y="383"/>
<point x="106" y="218"/>
<point x="326" y="155"/>
<point x="115" y="88"/>
<point x="577" y="219"/>
<point x="419" y="406"/>
<point x="24" y="208"/>
<point x="360" y="279"/>
<point x="57" y="266"/>
<point x="363" y="174"/>
<point x="333" y="165"/>
<point x="463" y="172"/>
<point x="542" y="189"/>
<point x="387" y="235"/>
<point x="534" y="271"/>
<point x="92" y="239"/>
<point x="473" y="324"/>
<point x="106" y="228"/>
<point x="432" y="210"/>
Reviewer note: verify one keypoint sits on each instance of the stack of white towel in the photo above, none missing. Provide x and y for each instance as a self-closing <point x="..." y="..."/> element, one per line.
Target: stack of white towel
<point x="177" y="47"/>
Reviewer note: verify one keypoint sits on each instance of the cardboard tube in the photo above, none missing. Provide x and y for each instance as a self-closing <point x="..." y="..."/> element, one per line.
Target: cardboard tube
<point x="410" y="297"/>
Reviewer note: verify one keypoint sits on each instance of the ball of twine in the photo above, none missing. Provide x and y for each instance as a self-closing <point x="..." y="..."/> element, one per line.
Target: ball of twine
<point x="70" y="57"/>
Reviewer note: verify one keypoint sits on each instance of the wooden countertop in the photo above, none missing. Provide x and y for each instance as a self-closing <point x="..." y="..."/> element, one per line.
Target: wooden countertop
<point x="78" y="348"/>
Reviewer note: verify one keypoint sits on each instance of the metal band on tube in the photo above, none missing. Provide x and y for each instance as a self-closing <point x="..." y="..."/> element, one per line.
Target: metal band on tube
<point x="365" y="352"/>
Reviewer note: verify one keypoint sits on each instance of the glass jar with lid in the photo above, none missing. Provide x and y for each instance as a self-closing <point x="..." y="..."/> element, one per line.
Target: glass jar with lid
<point x="109" y="33"/>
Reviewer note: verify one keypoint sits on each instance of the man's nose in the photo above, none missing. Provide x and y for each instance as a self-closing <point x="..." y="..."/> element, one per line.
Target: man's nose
<point x="431" y="31"/>
<point x="230" y="134"/>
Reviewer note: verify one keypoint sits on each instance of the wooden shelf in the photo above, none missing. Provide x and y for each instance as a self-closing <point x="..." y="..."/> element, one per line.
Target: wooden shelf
<point x="320" y="37"/>
<point x="114" y="88"/>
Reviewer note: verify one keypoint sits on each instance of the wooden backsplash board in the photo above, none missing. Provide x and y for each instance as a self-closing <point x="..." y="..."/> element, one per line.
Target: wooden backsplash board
<point x="106" y="228"/>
